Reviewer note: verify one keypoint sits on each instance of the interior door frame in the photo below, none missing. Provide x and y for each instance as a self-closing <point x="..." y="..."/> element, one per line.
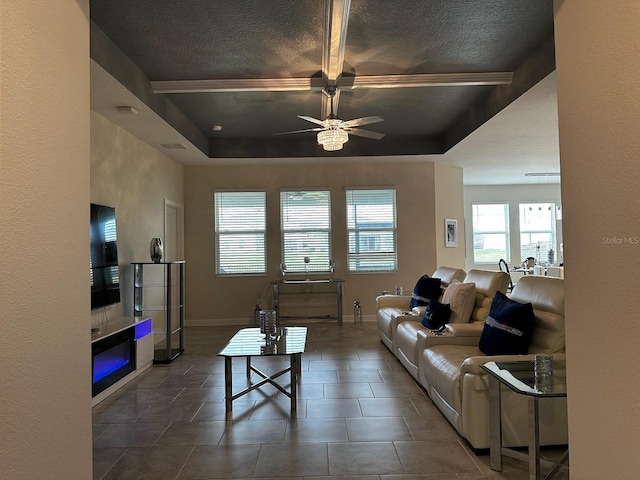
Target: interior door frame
<point x="178" y="210"/>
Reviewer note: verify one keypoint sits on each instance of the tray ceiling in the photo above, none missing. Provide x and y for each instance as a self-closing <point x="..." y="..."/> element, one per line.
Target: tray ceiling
<point x="434" y="70"/>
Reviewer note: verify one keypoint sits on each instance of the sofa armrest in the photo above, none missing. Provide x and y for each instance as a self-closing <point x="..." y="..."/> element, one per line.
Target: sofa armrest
<point x="402" y="302"/>
<point x="465" y="329"/>
<point x="472" y="364"/>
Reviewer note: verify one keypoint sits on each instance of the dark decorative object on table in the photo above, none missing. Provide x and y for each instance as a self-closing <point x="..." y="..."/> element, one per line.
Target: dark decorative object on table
<point x="156" y="250"/>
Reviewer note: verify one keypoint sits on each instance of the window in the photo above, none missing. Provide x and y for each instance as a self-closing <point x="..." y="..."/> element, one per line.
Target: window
<point x="490" y="232"/>
<point x="306" y="231"/>
<point x="240" y="232"/>
<point x="537" y="230"/>
<point x="371" y="225"/>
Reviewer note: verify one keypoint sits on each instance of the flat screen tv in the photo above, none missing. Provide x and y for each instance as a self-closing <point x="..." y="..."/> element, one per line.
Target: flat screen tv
<point x="105" y="275"/>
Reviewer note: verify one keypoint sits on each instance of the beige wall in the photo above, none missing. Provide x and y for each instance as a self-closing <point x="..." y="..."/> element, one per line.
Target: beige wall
<point x="231" y="300"/>
<point x="45" y="404"/>
<point x="449" y="200"/>
<point x="135" y="178"/>
<point x="599" y="122"/>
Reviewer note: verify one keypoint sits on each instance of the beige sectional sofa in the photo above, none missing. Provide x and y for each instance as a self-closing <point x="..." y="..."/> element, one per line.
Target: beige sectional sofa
<point x="408" y="345"/>
<point x="390" y="307"/>
<point x="447" y="364"/>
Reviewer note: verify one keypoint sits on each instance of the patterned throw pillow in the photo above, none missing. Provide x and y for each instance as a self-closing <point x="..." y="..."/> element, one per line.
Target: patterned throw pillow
<point x="462" y="298"/>
<point x="508" y="328"/>
<point x="436" y="315"/>
<point x="426" y="289"/>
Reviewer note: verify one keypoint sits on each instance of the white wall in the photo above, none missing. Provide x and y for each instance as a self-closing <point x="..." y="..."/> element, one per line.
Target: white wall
<point x="45" y="404"/>
<point x="599" y="123"/>
<point x="512" y="195"/>
<point x="135" y="178"/>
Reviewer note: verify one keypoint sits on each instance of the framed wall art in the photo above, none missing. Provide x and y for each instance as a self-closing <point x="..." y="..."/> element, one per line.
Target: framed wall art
<point x="450" y="232"/>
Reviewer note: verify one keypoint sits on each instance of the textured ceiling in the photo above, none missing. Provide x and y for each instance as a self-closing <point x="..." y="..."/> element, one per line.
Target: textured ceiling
<point x="142" y="44"/>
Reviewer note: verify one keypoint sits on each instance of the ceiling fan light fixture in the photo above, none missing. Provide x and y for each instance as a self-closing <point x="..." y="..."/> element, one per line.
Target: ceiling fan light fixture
<point x="332" y="139"/>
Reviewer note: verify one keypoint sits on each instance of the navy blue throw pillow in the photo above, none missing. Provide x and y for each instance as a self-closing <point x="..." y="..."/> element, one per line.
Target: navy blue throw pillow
<point x="508" y="328"/>
<point x="436" y="315"/>
<point x="426" y="289"/>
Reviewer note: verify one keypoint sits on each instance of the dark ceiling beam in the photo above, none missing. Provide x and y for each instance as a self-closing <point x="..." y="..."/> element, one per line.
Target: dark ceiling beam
<point x="238" y="85"/>
<point x="431" y="80"/>
<point x="334" y="40"/>
<point x="540" y="63"/>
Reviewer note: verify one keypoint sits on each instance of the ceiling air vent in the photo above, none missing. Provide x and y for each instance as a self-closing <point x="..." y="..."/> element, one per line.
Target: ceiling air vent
<point x="174" y="146"/>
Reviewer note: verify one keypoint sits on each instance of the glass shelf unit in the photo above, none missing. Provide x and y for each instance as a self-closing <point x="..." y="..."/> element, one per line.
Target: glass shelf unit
<point x="158" y="292"/>
<point x="320" y="299"/>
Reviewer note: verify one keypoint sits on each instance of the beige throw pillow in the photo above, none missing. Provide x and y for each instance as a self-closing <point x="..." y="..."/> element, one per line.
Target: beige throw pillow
<point x="461" y="297"/>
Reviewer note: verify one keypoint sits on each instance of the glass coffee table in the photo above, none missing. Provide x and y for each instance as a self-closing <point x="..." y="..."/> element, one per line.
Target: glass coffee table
<point x="519" y="376"/>
<point x="249" y="342"/>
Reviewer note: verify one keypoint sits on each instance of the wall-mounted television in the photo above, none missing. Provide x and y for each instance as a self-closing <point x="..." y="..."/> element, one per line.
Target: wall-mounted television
<point x="105" y="275"/>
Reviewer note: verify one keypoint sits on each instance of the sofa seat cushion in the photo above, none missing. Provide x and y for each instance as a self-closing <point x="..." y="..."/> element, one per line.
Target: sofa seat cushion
<point x="441" y="367"/>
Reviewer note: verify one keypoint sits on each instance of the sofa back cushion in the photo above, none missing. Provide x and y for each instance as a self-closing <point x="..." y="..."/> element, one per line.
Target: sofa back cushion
<point x="487" y="282"/>
<point x="449" y="274"/>
<point x="546" y="294"/>
<point x="461" y="298"/>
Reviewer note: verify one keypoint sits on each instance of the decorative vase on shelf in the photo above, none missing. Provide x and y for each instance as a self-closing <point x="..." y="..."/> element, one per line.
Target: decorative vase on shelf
<point x="156" y="250"/>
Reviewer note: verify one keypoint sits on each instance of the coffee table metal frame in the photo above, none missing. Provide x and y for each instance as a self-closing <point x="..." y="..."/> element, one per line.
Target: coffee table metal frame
<point x="238" y="346"/>
<point x="500" y="374"/>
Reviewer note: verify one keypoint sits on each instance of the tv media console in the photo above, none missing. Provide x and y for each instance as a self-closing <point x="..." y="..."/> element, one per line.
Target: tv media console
<point x="120" y="351"/>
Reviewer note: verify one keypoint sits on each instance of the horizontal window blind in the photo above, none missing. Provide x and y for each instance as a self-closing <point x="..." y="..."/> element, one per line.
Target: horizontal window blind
<point x="240" y="230"/>
<point x="306" y="231"/>
<point x="371" y="225"/>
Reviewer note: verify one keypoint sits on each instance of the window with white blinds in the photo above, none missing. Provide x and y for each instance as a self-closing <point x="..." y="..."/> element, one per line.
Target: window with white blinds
<point x="371" y="224"/>
<point x="240" y="229"/>
<point x="306" y="231"/>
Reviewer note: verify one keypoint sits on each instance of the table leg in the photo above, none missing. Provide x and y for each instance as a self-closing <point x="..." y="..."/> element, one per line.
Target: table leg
<point x="534" y="439"/>
<point x="248" y="366"/>
<point x="228" y="384"/>
<point x="495" y="424"/>
<point x="294" y="373"/>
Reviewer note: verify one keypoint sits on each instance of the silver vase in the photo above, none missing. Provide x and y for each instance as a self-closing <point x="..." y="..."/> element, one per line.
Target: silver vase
<point x="156" y="250"/>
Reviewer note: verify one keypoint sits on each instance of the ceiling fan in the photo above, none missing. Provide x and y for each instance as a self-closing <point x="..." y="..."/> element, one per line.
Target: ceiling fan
<point x="333" y="132"/>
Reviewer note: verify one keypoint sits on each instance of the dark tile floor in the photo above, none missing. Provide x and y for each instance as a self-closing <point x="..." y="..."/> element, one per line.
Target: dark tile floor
<point x="360" y="416"/>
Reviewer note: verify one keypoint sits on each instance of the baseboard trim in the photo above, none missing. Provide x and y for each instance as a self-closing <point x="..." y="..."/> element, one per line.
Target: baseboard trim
<point x="243" y="322"/>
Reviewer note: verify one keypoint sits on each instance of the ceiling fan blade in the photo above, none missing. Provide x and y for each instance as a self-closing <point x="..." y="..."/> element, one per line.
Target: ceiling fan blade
<point x="356" y="122"/>
<point x="365" y="133"/>
<point x="312" y="120"/>
<point x="300" y="131"/>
